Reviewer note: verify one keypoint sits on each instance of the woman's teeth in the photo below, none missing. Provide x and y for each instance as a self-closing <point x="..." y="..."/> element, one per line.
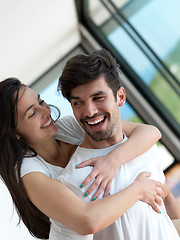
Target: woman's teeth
<point x="47" y="124"/>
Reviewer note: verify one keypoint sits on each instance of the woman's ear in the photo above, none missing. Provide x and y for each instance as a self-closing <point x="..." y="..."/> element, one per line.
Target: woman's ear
<point x="121" y="96"/>
<point x="18" y="136"/>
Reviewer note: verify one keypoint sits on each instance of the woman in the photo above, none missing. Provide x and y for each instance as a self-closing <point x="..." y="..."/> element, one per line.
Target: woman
<point x="27" y="131"/>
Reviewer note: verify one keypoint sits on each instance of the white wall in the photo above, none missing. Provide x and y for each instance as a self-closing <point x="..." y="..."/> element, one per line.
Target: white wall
<point x="9" y="219"/>
<point x="35" y="34"/>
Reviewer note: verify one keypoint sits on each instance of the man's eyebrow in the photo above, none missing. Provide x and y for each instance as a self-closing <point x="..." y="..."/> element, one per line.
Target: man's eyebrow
<point x="38" y="96"/>
<point x="98" y="93"/>
<point x="93" y="95"/>
<point x="72" y="97"/>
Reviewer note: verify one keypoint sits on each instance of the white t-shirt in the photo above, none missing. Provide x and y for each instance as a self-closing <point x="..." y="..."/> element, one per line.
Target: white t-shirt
<point x="139" y="222"/>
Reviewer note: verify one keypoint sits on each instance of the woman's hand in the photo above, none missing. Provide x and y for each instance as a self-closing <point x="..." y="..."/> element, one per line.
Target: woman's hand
<point x="150" y="190"/>
<point x="104" y="170"/>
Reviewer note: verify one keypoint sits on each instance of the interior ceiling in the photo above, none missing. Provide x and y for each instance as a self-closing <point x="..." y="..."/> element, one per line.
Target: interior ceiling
<point x="35" y="34"/>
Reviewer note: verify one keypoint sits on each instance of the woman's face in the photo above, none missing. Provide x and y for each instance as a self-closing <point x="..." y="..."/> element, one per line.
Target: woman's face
<point x="34" y="119"/>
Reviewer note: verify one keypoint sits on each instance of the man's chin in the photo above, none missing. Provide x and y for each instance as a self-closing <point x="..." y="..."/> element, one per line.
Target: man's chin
<point x="97" y="137"/>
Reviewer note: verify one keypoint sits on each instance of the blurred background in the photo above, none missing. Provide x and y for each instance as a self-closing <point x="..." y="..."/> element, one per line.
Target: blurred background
<point x="38" y="36"/>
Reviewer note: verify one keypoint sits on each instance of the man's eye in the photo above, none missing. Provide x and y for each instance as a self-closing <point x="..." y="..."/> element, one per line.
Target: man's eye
<point x="76" y="103"/>
<point x="98" y="98"/>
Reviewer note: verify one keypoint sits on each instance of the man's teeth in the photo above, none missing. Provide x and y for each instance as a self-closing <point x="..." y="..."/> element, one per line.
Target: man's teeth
<point x="95" y="121"/>
<point x="47" y="124"/>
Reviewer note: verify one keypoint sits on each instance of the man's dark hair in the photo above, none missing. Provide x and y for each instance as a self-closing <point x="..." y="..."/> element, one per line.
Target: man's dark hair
<point x="82" y="69"/>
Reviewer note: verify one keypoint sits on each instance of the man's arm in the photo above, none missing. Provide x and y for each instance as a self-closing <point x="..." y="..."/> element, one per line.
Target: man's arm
<point x="171" y="204"/>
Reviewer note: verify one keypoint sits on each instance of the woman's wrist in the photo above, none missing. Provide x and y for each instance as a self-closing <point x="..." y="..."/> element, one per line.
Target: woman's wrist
<point x="137" y="190"/>
<point x="115" y="158"/>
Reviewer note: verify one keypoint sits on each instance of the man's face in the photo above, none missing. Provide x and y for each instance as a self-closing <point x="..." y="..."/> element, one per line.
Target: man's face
<point x="97" y="110"/>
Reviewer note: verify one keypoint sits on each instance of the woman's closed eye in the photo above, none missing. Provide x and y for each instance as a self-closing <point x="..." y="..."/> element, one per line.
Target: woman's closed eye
<point x="34" y="112"/>
<point x="41" y="102"/>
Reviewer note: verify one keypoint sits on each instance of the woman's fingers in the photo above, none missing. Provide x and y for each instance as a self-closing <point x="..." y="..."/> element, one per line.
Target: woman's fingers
<point x="90" y="178"/>
<point x="89" y="162"/>
<point x="155" y="206"/>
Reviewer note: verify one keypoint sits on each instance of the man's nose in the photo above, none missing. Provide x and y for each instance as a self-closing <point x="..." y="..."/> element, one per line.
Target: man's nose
<point x="90" y="109"/>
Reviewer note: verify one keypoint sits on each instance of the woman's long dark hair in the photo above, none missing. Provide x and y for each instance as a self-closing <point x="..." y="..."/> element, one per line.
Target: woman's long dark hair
<point x="12" y="152"/>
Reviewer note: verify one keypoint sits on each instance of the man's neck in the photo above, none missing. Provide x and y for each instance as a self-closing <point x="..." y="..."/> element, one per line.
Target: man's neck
<point x="92" y="144"/>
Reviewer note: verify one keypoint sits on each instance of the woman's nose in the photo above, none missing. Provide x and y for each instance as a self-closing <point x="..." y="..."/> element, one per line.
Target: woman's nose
<point x="45" y="110"/>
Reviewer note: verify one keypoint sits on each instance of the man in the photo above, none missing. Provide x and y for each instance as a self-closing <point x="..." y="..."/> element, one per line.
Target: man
<point x="92" y="85"/>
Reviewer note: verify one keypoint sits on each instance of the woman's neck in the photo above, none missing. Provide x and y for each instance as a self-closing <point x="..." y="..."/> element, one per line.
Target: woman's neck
<point x="56" y="152"/>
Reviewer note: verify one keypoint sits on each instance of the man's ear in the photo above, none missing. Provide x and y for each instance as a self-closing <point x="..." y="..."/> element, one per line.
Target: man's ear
<point x="121" y="96"/>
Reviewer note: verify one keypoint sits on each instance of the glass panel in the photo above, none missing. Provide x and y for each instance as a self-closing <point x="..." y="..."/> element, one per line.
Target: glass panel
<point x="146" y="71"/>
<point x="156" y="22"/>
<point x="158" y="26"/>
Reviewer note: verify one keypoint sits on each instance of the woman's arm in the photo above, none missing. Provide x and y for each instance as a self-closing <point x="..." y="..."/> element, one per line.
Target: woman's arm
<point x="141" y="138"/>
<point x="171" y="203"/>
<point x="59" y="203"/>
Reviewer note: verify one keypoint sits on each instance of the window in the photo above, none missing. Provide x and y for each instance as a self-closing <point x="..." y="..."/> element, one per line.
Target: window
<point x="145" y="39"/>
